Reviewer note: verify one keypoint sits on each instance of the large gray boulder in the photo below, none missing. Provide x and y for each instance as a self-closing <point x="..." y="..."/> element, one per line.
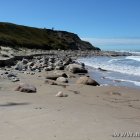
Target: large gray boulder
<point x="76" y="68"/>
<point x="85" y="80"/>
<point x="62" y="80"/>
<point x="28" y="88"/>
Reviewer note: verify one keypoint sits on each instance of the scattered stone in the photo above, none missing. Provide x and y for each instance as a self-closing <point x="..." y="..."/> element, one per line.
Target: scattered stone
<point x="28" y="88"/>
<point x="50" y="82"/>
<point x="19" y="66"/>
<point x="87" y="81"/>
<point x="30" y="64"/>
<point x="15" y="80"/>
<point x="61" y="94"/>
<point x="11" y="75"/>
<point x="62" y="80"/>
<point x="25" y="61"/>
<point x="55" y="76"/>
<point x="59" y="68"/>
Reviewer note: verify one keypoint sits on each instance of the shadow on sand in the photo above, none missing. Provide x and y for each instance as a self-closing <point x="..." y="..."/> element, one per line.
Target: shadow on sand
<point x="13" y="104"/>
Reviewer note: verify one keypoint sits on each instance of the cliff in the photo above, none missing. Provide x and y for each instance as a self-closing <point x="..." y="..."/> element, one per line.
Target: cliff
<point x="17" y="36"/>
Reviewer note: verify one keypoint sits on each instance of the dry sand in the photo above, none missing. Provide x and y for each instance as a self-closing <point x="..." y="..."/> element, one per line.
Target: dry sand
<point x="95" y="113"/>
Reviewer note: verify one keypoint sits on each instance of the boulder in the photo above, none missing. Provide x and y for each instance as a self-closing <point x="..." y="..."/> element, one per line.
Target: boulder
<point x="55" y="76"/>
<point x="49" y="68"/>
<point x="30" y="64"/>
<point x="87" y="81"/>
<point x="76" y="68"/>
<point x="20" y="66"/>
<point x="59" y="67"/>
<point x="60" y="73"/>
<point x="25" y="61"/>
<point x="28" y="88"/>
<point x="62" y="80"/>
<point x="67" y="61"/>
<point x="50" y="82"/>
<point x="61" y="94"/>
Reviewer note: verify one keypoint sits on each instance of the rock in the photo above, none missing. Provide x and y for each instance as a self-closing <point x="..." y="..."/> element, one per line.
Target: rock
<point x="58" y="63"/>
<point x="60" y="73"/>
<point x="30" y="64"/>
<point x="61" y="94"/>
<point x="67" y="61"/>
<point x="55" y="76"/>
<point x="87" y="81"/>
<point x="76" y="68"/>
<point x="50" y="82"/>
<point x="48" y="68"/>
<point x="62" y="80"/>
<point x="15" y="80"/>
<point x="20" y="66"/>
<point x="25" y="61"/>
<point x="6" y="72"/>
<point x="101" y="69"/>
<point x="22" y="87"/>
<point x="11" y="75"/>
<point x="51" y="60"/>
<point x="52" y="77"/>
<point x="59" y="68"/>
<point x="37" y="70"/>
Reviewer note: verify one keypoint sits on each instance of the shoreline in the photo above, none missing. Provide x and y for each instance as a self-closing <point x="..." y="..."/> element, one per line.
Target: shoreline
<point x="81" y="113"/>
<point x="8" y="56"/>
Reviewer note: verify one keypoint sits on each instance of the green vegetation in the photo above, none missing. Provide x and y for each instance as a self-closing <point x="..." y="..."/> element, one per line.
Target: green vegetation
<point x="17" y="36"/>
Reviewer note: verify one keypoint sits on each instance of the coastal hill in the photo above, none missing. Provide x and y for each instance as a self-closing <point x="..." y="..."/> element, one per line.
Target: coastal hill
<point x="18" y="36"/>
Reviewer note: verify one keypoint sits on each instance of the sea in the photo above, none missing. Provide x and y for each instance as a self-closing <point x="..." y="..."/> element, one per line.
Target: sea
<point x="115" y="71"/>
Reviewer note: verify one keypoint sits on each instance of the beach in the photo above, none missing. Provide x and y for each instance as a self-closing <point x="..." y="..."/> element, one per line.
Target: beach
<point x="93" y="113"/>
<point x="87" y="112"/>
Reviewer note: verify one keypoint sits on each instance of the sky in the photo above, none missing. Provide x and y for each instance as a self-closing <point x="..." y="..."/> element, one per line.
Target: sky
<point x="102" y="22"/>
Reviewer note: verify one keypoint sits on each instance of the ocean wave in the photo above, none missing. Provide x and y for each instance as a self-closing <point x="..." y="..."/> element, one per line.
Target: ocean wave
<point x="116" y="65"/>
<point x="136" y="58"/>
<point x="137" y="83"/>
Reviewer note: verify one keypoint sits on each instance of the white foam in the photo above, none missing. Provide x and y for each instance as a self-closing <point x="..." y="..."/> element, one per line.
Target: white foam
<point x="137" y="83"/>
<point x="136" y="58"/>
<point x="110" y="66"/>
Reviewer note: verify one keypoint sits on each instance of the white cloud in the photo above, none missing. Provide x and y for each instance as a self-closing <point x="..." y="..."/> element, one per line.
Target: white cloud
<point x="112" y="41"/>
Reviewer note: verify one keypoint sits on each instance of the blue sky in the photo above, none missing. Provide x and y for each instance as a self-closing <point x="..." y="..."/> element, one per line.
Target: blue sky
<point x="94" y="20"/>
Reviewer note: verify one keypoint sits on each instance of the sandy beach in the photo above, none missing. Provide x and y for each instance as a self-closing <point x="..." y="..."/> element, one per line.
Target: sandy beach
<point x="87" y="113"/>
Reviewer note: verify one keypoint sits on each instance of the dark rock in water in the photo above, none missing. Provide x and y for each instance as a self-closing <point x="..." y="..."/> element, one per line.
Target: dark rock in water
<point x="101" y="69"/>
<point x="87" y="81"/>
<point x="28" y="88"/>
<point x="76" y="68"/>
